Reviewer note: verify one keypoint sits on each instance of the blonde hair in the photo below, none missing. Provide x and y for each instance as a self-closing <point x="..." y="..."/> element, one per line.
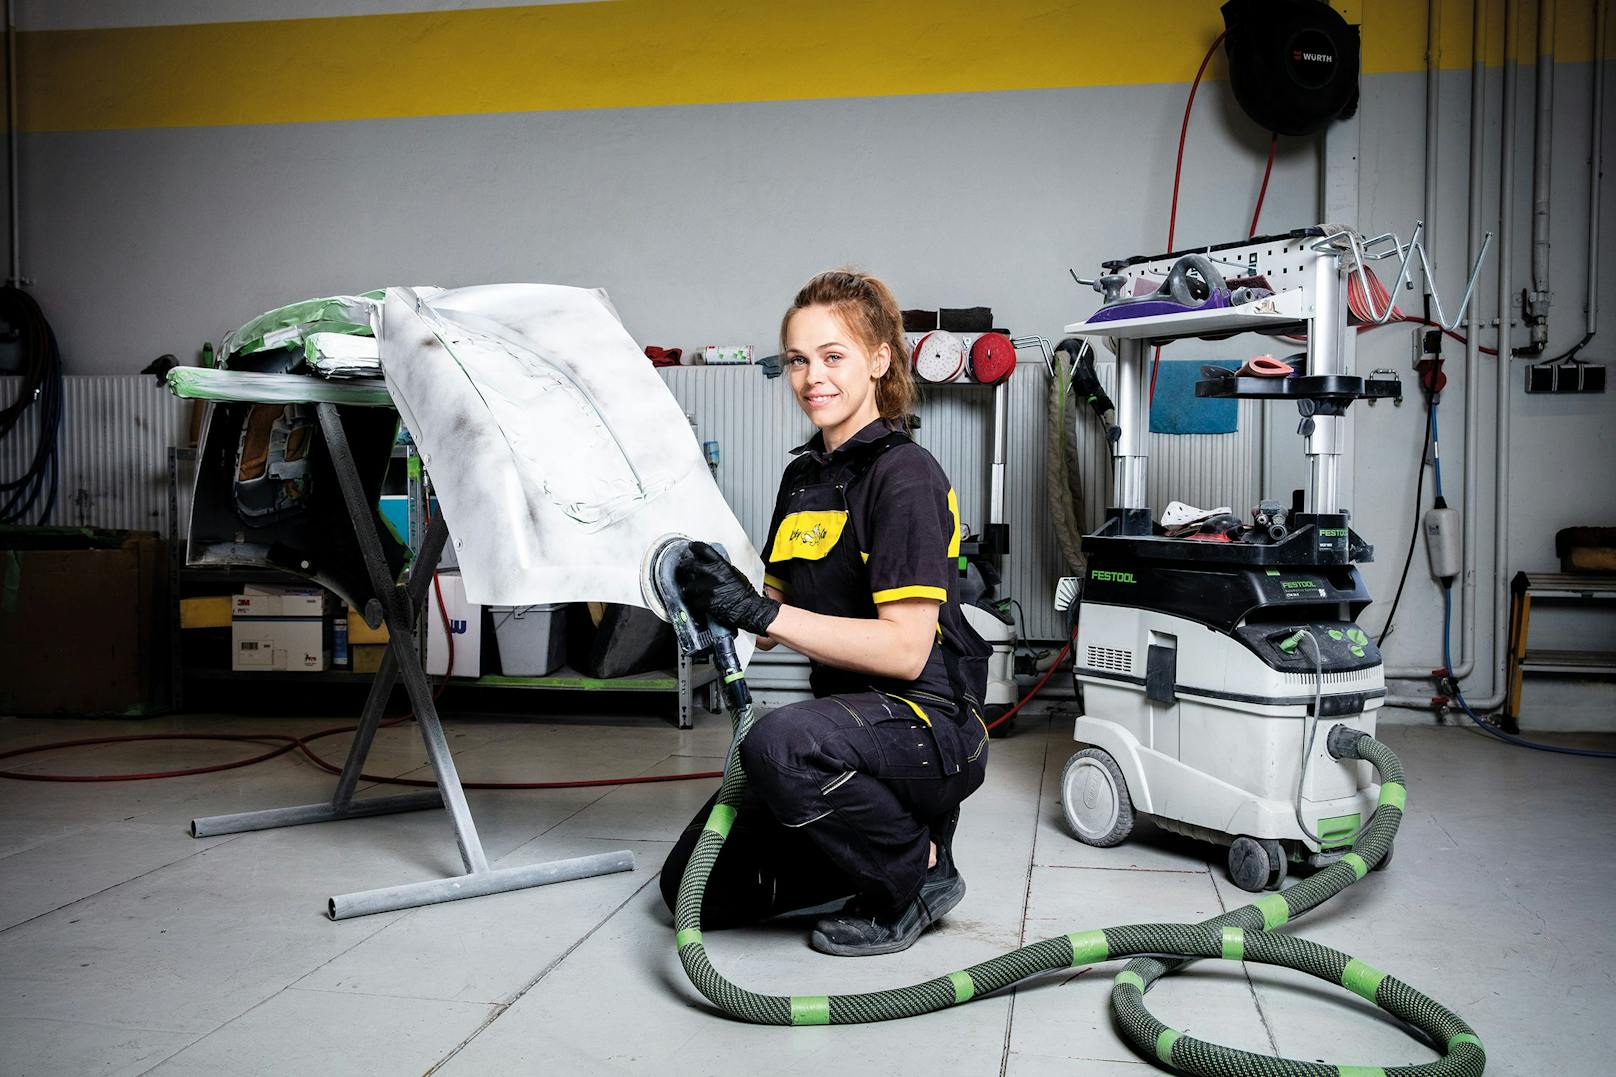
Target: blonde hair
<point x="867" y="307"/>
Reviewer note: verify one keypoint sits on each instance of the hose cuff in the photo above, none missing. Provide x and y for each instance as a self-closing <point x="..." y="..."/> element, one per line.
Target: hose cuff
<point x="1343" y="742"/>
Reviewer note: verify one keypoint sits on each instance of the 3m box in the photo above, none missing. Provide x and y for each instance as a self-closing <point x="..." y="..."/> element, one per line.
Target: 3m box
<point x="289" y="646"/>
<point x="280" y="629"/>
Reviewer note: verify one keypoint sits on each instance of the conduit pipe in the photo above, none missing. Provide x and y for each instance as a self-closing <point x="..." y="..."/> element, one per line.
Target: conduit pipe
<point x="1542" y="158"/>
<point x="1472" y="367"/>
<point x="15" y="280"/>
<point x="1595" y="145"/>
<point x="1433" y="70"/>
<point x="1506" y="230"/>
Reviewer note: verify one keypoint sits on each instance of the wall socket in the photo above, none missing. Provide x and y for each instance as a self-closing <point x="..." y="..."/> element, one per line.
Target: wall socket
<point x="1573" y="377"/>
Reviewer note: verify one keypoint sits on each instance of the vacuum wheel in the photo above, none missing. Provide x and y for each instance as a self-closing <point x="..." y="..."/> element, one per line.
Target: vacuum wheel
<point x="1095" y="799"/>
<point x="993" y="713"/>
<point x="1255" y="866"/>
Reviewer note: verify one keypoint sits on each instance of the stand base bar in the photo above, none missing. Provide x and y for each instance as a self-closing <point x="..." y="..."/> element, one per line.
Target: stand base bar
<point x="297" y="815"/>
<point x="477" y="884"/>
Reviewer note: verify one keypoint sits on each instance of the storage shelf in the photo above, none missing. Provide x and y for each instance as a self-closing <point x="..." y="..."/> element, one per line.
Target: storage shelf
<point x="654" y="681"/>
<point x="1528" y="588"/>
<point x="1541" y="661"/>
<point x="565" y="679"/>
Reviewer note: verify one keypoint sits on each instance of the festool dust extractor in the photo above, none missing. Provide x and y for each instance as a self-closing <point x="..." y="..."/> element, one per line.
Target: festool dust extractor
<point x="1207" y="657"/>
<point x="1246" y="933"/>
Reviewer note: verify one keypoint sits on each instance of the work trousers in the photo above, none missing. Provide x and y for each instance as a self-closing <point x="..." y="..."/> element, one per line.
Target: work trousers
<point x="844" y="796"/>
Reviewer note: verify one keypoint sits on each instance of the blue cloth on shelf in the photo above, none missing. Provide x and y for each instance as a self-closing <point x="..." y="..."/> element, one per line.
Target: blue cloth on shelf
<point x="1177" y="410"/>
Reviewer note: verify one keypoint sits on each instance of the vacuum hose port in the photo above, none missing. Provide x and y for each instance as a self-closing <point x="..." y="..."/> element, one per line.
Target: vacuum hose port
<point x="1343" y="742"/>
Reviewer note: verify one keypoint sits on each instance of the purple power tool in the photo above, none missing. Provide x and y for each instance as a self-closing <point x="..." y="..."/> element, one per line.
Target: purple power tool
<point x="1192" y="284"/>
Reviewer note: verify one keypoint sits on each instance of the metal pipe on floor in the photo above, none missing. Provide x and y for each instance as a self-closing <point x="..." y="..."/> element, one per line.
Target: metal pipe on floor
<point x="476" y="884"/>
<point x="298" y="815"/>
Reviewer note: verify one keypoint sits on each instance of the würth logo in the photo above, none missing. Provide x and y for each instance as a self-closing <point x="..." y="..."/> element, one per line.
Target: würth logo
<point x="1315" y="57"/>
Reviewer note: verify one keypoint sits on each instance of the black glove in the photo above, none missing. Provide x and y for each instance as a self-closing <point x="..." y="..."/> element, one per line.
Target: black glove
<point x="716" y="591"/>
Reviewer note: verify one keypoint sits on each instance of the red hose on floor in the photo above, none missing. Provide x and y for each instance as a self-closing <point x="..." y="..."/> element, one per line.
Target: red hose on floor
<point x="1048" y="673"/>
<point x="301" y="744"/>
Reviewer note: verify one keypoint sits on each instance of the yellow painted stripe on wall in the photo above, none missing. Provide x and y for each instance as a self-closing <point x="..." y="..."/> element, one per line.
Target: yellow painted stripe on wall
<point x="637" y="53"/>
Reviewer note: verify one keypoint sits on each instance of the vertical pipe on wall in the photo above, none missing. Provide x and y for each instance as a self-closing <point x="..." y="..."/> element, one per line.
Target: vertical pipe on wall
<point x="1595" y="144"/>
<point x="1472" y="367"/>
<point x="1542" y="156"/>
<point x="1433" y="70"/>
<point x="1506" y="230"/>
<point x="15" y="279"/>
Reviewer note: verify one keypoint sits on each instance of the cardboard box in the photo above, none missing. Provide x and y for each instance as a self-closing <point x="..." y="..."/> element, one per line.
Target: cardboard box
<point x="726" y="355"/>
<point x="206" y="611"/>
<point x="84" y="622"/>
<point x="280" y="629"/>
<point x="367" y="657"/>
<point x="283" y="646"/>
<point x="359" y="632"/>
<point x="465" y="621"/>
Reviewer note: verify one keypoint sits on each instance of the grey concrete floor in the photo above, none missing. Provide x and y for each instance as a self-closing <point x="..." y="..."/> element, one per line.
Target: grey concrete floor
<point x="128" y="947"/>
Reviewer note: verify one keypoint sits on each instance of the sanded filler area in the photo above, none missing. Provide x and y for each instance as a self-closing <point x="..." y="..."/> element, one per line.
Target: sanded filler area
<point x="128" y="947"/>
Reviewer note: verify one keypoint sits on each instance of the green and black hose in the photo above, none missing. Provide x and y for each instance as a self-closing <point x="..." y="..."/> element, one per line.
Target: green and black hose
<point x="1244" y="934"/>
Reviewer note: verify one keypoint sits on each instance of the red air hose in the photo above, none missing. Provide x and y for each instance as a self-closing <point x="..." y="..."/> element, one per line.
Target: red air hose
<point x="301" y="744"/>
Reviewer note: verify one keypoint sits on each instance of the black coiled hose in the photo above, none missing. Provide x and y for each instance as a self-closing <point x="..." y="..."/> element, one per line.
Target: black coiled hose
<point x="1247" y="933"/>
<point x="35" y="489"/>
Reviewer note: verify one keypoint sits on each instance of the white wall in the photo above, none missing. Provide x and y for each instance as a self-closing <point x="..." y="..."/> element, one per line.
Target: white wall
<point x="702" y="221"/>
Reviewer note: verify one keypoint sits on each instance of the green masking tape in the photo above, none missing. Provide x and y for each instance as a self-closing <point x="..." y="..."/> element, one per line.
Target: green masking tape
<point x="810" y="1009"/>
<point x="1394" y="794"/>
<point x="1463" y="1037"/>
<point x="686" y="937"/>
<point x="1361" y="979"/>
<point x="1234" y="944"/>
<point x="1360" y="1071"/>
<point x="733" y="677"/>
<point x="1088" y="946"/>
<point x="720" y="820"/>
<point x="1164" y="1044"/>
<point x="1356" y="863"/>
<point x="1274" y="910"/>
<point x="1126" y="977"/>
<point x="964" y="989"/>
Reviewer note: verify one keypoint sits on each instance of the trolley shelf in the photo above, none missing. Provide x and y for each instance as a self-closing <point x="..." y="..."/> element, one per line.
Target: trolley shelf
<point x="1272" y="314"/>
<point x="1332" y="387"/>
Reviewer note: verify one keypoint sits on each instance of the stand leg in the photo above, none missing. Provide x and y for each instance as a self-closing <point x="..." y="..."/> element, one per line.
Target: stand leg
<point x="403" y="659"/>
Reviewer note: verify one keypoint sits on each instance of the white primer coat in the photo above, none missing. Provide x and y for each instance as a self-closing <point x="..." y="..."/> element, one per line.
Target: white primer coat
<point x="557" y="454"/>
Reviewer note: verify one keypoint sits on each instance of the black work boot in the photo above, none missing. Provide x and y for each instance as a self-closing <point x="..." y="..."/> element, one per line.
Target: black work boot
<point x="853" y="932"/>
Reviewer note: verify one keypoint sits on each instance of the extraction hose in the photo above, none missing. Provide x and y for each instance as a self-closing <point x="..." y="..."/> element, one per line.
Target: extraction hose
<point x="1244" y="934"/>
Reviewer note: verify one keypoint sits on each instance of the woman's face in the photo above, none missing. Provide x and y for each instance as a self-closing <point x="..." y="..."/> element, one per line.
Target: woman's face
<point x="833" y="376"/>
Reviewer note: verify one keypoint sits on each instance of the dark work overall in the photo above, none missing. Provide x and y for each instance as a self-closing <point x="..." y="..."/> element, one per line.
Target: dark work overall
<point x="846" y="791"/>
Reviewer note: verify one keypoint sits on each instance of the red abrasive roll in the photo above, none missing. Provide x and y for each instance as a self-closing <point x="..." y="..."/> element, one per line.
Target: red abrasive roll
<point x="939" y="357"/>
<point x="993" y="358"/>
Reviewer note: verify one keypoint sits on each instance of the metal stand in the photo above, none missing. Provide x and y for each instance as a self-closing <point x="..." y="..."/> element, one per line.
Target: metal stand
<point x="399" y="606"/>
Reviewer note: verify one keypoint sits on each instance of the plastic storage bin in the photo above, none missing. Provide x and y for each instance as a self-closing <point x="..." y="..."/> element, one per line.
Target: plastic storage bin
<point x="532" y="639"/>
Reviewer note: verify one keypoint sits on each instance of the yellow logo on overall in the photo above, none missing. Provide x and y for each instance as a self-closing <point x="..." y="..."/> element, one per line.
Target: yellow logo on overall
<point x="808" y="535"/>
